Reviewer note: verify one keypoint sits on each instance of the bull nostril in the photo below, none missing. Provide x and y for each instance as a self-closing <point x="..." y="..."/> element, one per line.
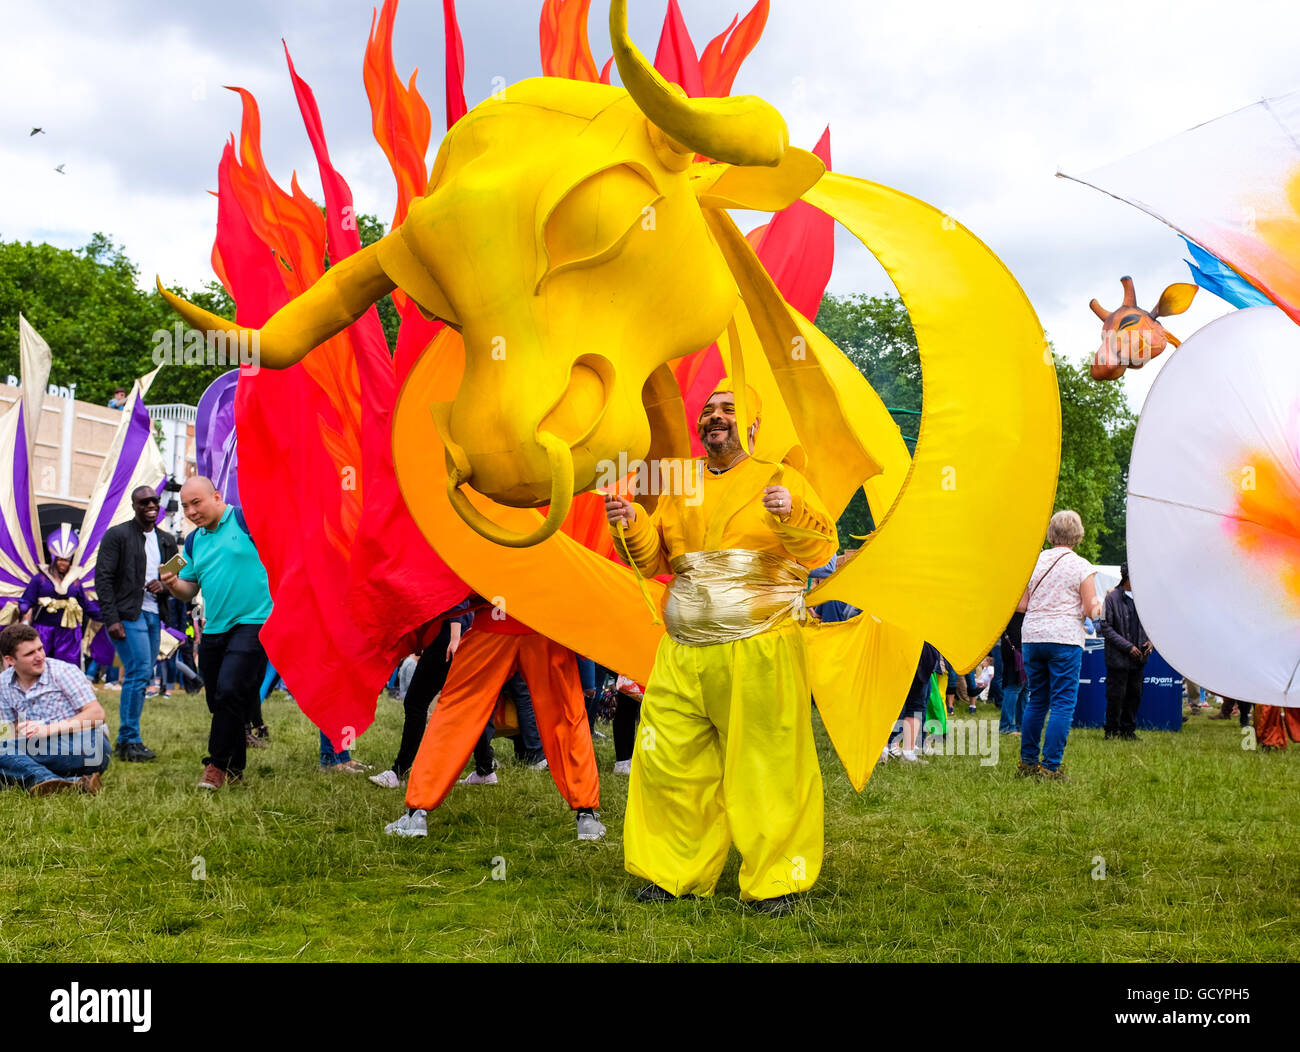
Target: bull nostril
<point x="581" y="407"/>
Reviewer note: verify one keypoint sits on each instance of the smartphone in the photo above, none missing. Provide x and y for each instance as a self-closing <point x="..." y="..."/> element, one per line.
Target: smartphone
<point x="172" y="565"/>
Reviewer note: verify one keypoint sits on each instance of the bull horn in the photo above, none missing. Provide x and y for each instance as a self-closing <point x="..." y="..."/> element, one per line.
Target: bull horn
<point x="561" y="465"/>
<point x="742" y="129"/>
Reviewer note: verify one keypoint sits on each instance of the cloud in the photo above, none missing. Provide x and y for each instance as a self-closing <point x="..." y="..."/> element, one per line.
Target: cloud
<point x="970" y="107"/>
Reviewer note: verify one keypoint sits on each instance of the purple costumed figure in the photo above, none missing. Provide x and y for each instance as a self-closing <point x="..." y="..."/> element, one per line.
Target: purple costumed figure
<point x="60" y="603"/>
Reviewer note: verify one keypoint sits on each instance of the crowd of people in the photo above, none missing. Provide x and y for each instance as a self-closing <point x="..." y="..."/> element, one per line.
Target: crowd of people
<point x="728" y="702"/>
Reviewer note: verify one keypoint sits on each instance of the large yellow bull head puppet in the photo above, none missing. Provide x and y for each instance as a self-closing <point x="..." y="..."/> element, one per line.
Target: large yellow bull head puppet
<point x="561" y="233"/>
<point x="576" y="237"/>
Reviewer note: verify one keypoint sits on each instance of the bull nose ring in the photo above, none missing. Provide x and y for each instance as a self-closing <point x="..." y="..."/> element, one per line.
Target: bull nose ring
<point x="560" y="459"/>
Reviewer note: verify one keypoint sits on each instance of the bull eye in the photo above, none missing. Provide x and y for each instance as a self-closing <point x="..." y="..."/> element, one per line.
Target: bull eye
<point x="593" y="220"/>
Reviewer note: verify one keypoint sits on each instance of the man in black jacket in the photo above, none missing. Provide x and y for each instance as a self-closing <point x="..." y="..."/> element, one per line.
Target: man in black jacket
<point x="126" y="580"/>
<point x="1127" y="650"/>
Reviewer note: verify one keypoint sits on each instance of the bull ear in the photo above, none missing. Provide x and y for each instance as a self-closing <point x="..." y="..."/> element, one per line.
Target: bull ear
<point x="1174" y="300"/>
<point x="762" y="189"/>
<point x="669" y="437"/>
<point x="403" y="267"/>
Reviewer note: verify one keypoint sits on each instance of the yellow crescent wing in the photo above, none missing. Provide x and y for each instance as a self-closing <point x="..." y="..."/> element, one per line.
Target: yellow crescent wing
<point x="951" y="558"/>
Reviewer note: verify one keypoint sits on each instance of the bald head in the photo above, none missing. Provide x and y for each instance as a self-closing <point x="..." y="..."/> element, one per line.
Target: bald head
<point x="202" y="502"/>
<point x="198" y="484"/>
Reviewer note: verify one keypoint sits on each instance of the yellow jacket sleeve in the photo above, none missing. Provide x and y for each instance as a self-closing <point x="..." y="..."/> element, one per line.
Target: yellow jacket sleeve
<point x="641" y="544"/>
<point x="808" y="534"/>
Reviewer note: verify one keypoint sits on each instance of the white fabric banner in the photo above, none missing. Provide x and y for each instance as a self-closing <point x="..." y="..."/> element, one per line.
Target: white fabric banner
<point x="1214" y="508"/>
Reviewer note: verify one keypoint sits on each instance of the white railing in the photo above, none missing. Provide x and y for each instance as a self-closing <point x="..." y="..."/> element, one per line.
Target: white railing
<point x="186" y="414"/>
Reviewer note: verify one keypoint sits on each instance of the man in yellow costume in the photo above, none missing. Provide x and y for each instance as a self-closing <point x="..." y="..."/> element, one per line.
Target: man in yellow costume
<point x="726" y="749"/>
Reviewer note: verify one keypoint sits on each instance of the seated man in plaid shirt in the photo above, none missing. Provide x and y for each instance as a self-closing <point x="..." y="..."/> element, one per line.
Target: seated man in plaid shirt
<point x="52" y="735"/>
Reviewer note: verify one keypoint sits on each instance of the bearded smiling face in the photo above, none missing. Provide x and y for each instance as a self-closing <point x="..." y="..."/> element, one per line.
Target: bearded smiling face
<point x="718" y="429"/>
<point x="717" y="426"/>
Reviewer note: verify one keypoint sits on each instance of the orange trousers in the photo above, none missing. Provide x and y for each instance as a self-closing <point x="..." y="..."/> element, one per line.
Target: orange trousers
<point x="1274" y="724"/>
<point x="484" y="662"/>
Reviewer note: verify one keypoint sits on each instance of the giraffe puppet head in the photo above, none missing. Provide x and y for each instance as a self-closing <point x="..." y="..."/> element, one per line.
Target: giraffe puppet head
<point x="1131" y="336"/>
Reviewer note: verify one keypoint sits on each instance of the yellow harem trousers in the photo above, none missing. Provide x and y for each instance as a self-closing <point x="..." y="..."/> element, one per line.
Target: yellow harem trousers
<point x="725" y="752"/>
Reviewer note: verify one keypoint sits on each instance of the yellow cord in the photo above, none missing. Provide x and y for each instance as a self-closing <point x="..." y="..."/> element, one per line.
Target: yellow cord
<point x="640" y="581"/>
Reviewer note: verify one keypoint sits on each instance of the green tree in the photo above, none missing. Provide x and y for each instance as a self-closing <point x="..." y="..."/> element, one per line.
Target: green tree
<point x="1114" y="546"/>
<point x="1094" y="461"/>
<point x="875" y="333"/>
<point x="99" y="324"/>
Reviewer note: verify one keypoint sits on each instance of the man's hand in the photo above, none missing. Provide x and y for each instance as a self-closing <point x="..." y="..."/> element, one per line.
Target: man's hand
<point x="155" y="587"/>
<point x="1136" y="653"/>
<point x="165" y="581"/>
<point x="179" y="587"/>
<point x="453" y="643"/>
<point x="116" y="630"/>
<point x="776" y="499"/>
<point x="29" y="729"/>
<point x="619" y="509"/>
<point x="1147" y="648"/>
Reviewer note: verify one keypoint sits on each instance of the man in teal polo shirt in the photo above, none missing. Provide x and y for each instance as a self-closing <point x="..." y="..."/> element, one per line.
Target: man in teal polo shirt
<point x="236" y="603"/>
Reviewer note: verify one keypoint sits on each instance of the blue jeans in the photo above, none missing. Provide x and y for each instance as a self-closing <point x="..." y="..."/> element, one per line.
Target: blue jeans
<point x="328" y="757"/>
<point x="136" y="652"/>
<point x="1013" y="707"/>
<point x="166" y="674"/>
<point x="270" y="681"/>
<point x="1053" y="673"/>
<point x="529" y="746"/>
<point x="995" y="687"/>
<point x="34" y="760"/>
<point x="591" y="675"/>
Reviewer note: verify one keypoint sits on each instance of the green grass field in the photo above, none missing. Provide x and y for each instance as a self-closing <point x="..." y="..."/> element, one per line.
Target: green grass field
<point x="954" y="861"/>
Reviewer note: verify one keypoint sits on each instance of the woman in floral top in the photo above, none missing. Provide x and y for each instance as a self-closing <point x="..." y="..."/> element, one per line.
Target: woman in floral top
<point x="1062" y="591"/>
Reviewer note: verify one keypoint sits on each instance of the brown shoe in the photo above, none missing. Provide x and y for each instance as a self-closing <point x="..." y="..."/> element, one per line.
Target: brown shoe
<point x="1028" y="770"/>
<point x="53" y="785"/>
<point x="213" y="778"/>
<point x="1048" y="775"/>
<point x="91" y="783"/>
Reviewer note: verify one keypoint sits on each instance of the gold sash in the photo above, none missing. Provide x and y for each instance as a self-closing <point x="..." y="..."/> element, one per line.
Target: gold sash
<point x="70" y="607"/>
<point x="722" y="596"/>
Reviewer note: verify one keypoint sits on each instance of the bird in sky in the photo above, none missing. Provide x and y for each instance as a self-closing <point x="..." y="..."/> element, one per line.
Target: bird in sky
<point x="60" y="170"/>
<point x="34" y="131"/>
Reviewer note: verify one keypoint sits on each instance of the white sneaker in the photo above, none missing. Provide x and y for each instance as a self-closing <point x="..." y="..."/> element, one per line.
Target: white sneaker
<point x="411" y="824"/>
<point x="386" y="779"/>
<point x="911" y="757"/>
<point x="896" y="751"/>
<point x="541" y="765"/>
<point x="622" y="766"/>
<point x="480" y="779"/>
<point x="589" y="826"/>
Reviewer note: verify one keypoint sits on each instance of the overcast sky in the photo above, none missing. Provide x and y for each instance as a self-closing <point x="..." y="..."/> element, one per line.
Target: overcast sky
<point x="972" y="107"/>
